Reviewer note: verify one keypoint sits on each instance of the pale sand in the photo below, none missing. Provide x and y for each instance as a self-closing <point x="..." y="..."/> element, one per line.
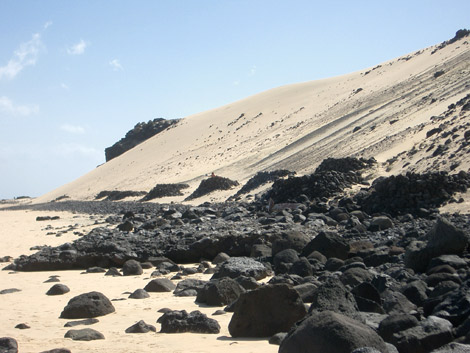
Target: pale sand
<point x="19" y="231"/>
<point x="300" y="125"/>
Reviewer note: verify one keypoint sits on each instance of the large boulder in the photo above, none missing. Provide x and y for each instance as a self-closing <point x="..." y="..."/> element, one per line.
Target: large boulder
<point x="332" y="295"/>
<point x="445" y="238"/>
<point x="265" y="311"/>
<point x="180" y="321"/>
<point x="290" y="240"/>
<point x="8" y="345"/>
<point x="189" y="287"/>
<point x="329" y="244"/>
<point x="330" y="332"/>
<point x="219" y="292"/>
<point x="132" y="268"/>
<point x="431" y="333"/>
<point x="241" y="266"/>
<point x="87" y="305"/>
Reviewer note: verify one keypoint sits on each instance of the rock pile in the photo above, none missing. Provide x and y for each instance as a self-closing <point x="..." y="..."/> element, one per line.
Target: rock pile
<point x="211" y="184"/>
<point x="165" y="190"/>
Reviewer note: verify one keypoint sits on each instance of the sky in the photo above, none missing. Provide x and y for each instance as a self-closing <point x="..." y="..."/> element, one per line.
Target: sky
<point x="75" y="76"/>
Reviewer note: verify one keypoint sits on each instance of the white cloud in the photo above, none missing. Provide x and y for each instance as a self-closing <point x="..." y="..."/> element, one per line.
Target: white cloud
<point x="64" y="86"/>
<point x="116" y="65"/>
<point x="73" y="129"/>
<point x="25" y="55"/>
<point x="253" y="70"/>
<point x="47" y="24"/>
<point x="236" y="83"/>
<point x="7" y="106"/>
<point x="78" y="49"/>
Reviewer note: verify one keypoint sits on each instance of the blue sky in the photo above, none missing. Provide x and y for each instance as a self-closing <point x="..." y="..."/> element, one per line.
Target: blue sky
<point x="75" y="76"/>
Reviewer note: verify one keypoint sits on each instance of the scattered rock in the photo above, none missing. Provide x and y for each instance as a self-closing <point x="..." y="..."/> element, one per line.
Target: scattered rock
<point x="180" y="321"/>
<point x="139" y="294"/>
<point x="89" y="321"/>
<point x="85" y="334"/>
<point x="141" y="327"/>
<point x="160" y="285"/>
<point x="58" y="289"/>
<point x="87" y="305"/>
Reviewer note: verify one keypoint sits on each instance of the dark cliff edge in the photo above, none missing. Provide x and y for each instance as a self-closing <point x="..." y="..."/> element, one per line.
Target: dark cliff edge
<point x="140" y="133"/>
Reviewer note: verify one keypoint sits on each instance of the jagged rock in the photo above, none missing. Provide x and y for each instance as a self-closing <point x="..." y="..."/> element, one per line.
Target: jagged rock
<point x="140" y="133"/>
<point x="87" y="305"/>
<point x="431" y="333"/>
<point x="332" y="295"/>
<point x="180" y="321"/>
<point x="394" y="324"/>
<point x="189" y="287"/>
<point x="265" y="311"/>
<point x="219" y="292"/>
<point x="331" y="332"/>
<point x="329" y="244"/>
<point x="211" y="184"/>
<point x="141" y="327"/>
<point x="85" y="334"/>
<point x="241" y="266"/>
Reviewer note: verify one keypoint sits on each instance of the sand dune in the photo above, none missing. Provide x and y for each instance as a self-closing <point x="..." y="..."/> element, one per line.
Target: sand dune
<point x="377" y="112"/>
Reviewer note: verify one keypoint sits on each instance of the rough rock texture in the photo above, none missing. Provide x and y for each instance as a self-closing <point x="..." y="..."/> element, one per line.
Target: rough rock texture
<point x="180" y="321"/>
<point x="329" y="244"/>
<point x="8" y="345"/>
<point x="165" y="190"/>
<point x="241" y="266"/>
<point x="214" y="183"/>
<point x="219" y="292"/>
<point x="330" y="332"/>
<point x="132" y="268"/>
<point x="87" y="305"/>
<point x="265" y="311"/>
<point x="140" y="133"/>
<point x="141" y="327"/>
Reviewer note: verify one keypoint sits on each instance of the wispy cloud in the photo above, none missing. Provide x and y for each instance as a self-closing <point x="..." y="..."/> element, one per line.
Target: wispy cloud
<point x="64" y="86"/>
<point x="78" y="49"/>
<point x="253" y="70"/>
<point x="7" y="106"/>
<point x="73" y="129"/>
<point x="236" y="82"/>
<point x="47" y="24"/>
<point x="116" y="65"/>
<point x="25" y="55"/>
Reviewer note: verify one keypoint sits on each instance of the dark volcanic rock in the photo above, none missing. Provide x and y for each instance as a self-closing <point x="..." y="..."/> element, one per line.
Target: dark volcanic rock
<point x="261" y="178"/>
<point x="395" y="323"/>
<point x="58" y="289"/>
<point x="140" y="133"/>
<point x="431" y="333"/>
<point x="87" y="305"/>
<point x="90" y="321"/>
<point x="8" y="345"/>
<point x="141" y="327"/>
<point x="57" y="350"/>
<point x="265" y="311"/>
<point x="290" y="240"/>
<point x="165" y="190"/>
<point x="160" y="285"/>
<point x="189" y="287"/>
<point x="219" y="292"/>
<point x="139" y="294"/>
<point x="332" y="295"/>
<point x="330" y="332"/>
<point x="116" y="195"/>
<point x="132" y="268"/>
<point x="85" y="334"/>
<point x="180" y="321"/>
<point x="329" y="244"/>
<point x="214" y="183"/>
<point x="241" y="266"/>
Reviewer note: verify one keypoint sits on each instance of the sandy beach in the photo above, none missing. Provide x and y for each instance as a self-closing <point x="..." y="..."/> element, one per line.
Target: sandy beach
<point x="41" y="312"/>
